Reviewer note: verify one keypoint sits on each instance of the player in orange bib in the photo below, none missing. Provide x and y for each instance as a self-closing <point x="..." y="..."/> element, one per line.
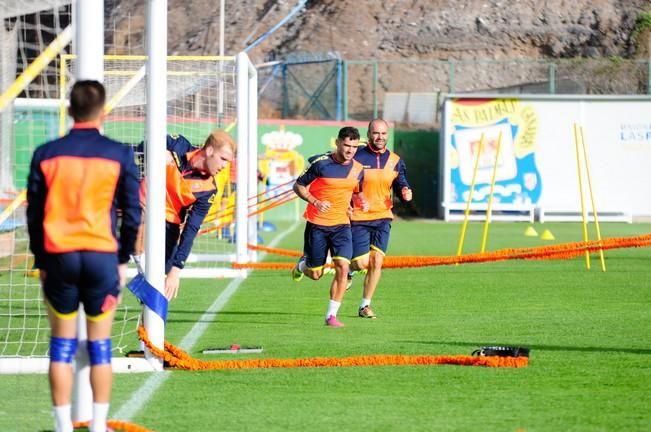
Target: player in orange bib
<point x="328" y="185"/>
<point x="190" y="192"/>
<point x="76" y="186"/>
<point x="383" y="171"/>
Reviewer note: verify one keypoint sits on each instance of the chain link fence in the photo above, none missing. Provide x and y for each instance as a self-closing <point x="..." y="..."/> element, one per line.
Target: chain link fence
<point x="303" y="86"/>
<point x="370" y="87"/>
<point x="324" y="87"/>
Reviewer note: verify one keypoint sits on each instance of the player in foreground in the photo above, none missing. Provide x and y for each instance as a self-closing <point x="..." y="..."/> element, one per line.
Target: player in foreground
<point x="75" y="186"/>
<point x="328" y="185"/>
<point x="383" y="171"/>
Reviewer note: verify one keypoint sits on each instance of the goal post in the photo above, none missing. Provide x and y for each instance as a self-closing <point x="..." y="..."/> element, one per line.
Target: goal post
<point x="193" y="110"/>
<point x="247" y="156"/>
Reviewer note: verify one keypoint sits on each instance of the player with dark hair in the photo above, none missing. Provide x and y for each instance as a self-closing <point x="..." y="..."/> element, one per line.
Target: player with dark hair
<point x="75" y="186"/>
<point x="383" y="171"/>
<point x="328" y="185"/>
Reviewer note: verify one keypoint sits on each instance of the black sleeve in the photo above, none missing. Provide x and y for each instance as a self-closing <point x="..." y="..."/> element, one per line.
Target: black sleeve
<point x="310" y="174"/>
<point x="401" y="180"/>
<point x="129" y="201"/>
<point x="36" y="194"/>
<point x="193" y="222"/>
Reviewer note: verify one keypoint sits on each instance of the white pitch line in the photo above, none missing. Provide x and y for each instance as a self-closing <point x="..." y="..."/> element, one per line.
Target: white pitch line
<point x="139" y="399"/>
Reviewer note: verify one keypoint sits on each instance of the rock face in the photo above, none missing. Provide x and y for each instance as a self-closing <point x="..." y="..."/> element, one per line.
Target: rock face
<point x="494" y="44"/>
<point x="406" y="29"/>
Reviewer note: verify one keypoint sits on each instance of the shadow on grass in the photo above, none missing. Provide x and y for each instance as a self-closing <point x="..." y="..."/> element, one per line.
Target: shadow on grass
<point x="475" y="345"/>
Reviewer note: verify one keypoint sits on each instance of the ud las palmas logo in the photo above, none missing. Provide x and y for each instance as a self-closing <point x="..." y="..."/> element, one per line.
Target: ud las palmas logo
<point x="517" y="179"/>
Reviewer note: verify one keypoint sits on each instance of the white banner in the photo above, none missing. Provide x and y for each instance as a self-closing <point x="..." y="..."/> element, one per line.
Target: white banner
<point x="538" y="161"/>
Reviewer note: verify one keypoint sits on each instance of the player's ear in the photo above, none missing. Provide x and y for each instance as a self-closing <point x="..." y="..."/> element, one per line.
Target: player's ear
<point x="209" y="150"/>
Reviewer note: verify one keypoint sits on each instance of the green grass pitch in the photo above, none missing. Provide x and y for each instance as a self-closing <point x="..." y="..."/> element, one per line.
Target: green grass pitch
<point x="589" y="334"/>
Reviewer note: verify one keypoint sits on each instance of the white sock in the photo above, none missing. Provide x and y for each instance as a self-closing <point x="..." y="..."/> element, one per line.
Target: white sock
<point x="100" y="412"/>
<point x="302" y="266"/>
<point x="62" y="418"/>
<point x="364" y="303"/>
<point x="333" y="308"/>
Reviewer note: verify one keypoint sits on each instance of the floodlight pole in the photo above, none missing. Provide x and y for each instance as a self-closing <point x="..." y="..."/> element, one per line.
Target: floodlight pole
<point x="156" y="131"/>
<point x="89" y="44"/>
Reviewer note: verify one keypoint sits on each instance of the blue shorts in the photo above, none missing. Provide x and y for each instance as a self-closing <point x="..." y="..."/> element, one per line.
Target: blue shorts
<point x="319" y="240"/>
<point x="87" y="277"/>
<point x="369" y="235"/>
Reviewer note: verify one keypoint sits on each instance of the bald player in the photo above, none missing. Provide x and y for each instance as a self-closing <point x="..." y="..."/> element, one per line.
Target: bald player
<point x="384" y="171"/>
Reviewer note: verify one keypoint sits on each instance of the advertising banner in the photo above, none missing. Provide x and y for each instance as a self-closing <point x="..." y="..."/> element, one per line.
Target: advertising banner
<point x="537" y="164"/>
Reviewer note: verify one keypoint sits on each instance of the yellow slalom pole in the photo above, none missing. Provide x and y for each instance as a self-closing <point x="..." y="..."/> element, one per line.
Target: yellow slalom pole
<point x="594" y="207"/>
<point x="36" y="67"/>
<point x="583" y="215"/>
<point x="230" y="127"/>
<point x="490" y="196"/>
<point x="472" y="186"/>
<point x="63" y="61"/>
<point x="13" y="206"/>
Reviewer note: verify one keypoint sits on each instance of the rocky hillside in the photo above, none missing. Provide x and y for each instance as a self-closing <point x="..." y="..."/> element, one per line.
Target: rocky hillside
<point x="408" y="29"/>
<point x="505" y="35"/>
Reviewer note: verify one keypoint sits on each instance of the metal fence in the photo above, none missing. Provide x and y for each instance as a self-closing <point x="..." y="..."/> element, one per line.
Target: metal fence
<point x="328" y="88"/>
<point x="369" y="85"/>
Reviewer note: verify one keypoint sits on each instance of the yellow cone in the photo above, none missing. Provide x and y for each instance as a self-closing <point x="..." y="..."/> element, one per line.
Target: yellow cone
<point x="547" y="235"/>
<point x="530" y="232"/>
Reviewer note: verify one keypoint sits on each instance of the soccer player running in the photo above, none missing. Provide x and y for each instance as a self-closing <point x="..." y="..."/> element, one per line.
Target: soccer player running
<point x="75" y="186"/>
<point x="191" y="190"/>
<point x="328" y="185"/>
<point x="383" y="171"/>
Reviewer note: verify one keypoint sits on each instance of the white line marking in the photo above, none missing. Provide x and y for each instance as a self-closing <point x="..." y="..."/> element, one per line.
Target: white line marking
<point x="139" y="399"/>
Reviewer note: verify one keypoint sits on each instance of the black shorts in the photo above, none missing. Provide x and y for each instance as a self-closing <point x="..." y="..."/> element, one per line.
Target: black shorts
<point x="319" y="240"/>
<point x="87" y="277"/>
<point x="369" y="235"/>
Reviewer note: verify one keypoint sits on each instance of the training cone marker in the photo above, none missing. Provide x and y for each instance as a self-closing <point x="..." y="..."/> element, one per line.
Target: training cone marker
<point x="547" y="235"/>
<point x="530" y="232"/>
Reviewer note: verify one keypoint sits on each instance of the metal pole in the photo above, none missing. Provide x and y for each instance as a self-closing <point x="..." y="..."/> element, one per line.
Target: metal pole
<point x="345" y="90"/>
<point x="648" y="76"/>
<point x="252" y="107"/>
<point x="221" y="27"/>
<point x="552" y="78"/>
<point x="375" y="78"/>
<point x="242" y="193"/>
<point x="221" y="62"/>
<point x="156" y="130"/>
<point x="285" y="92"/>
<point x="450" y="76"/>
<point x="338" y="90"/>
<point x="89" y="39"/>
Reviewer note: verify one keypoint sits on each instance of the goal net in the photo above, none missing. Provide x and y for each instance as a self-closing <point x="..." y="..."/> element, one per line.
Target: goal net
<point x="201" y="96"/>
<point x="203" y="93"/>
